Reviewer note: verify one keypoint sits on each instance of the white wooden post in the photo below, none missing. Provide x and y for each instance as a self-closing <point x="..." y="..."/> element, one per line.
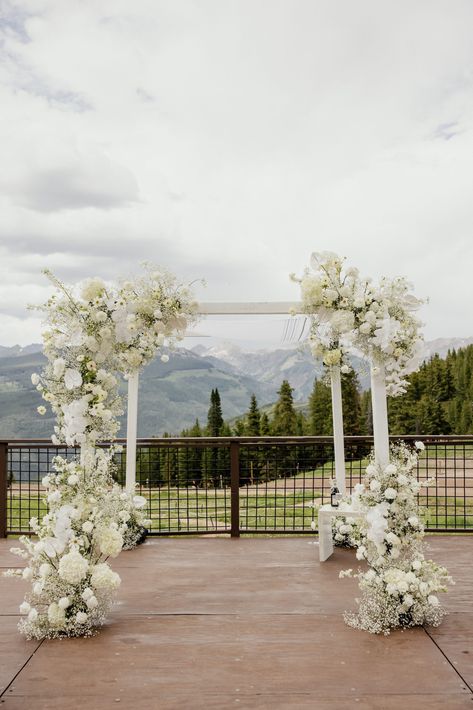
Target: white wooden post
<point x="380" y="415"/>
<point x="131" y="430"/>
<point x="337" y="418"/>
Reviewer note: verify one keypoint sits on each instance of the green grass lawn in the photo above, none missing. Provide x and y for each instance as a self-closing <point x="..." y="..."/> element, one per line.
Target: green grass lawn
<point x="179" y="509"/>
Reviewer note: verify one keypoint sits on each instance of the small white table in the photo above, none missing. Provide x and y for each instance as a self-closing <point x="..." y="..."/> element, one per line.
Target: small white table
<point x="326" y="513"/>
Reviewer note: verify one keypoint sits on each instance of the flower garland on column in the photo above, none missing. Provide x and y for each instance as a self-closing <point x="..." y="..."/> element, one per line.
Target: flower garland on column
<point x="350" y="315"/>
<point x="91" y="335"/>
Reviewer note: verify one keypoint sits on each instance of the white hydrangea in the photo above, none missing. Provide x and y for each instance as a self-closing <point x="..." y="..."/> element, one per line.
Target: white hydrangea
<point x="103" y="577"/>
<point x="73" y="567"/>
<point x="110" y="541"/>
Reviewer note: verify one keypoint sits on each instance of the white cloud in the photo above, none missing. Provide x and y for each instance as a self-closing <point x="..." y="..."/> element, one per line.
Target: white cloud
<point x="230" y="139"/>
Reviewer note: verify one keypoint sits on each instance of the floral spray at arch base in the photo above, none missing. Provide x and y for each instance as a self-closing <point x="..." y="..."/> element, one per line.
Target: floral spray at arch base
<point x="72" y="584"/>
<point x="400" y="587"/>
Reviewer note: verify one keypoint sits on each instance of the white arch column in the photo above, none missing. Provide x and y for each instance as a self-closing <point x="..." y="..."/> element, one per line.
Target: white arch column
<point x="131" y="431"/>
<point x="337" y="418"/>
<point x="380" y="414"/>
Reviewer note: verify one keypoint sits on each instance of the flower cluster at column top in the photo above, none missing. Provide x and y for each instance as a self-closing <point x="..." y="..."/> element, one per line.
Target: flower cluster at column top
<point x="100" y="330"/>
<point x="351" y="315"/>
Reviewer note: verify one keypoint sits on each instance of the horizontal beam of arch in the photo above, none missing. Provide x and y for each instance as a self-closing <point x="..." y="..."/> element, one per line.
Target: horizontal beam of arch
<point x="249" y="308"/>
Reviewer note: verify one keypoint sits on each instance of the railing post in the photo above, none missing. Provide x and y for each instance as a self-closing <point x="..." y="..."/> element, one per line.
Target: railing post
<point x="235" y="488"/>
<point x="3" y="488"/>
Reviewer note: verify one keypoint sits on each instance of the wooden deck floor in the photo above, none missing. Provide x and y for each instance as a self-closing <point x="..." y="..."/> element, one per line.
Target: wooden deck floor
<point x="250" y="623"/>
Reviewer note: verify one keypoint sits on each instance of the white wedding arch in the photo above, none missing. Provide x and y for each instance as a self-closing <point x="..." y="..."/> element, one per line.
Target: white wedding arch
<point x="103" y="330"/>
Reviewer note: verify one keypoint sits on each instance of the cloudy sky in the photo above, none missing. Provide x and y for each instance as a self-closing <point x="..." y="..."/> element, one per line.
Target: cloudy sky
<point x="228" y="139"/>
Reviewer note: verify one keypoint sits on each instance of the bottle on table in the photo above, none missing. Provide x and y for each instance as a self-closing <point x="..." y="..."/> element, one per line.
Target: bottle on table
<point x="335" y="496"/>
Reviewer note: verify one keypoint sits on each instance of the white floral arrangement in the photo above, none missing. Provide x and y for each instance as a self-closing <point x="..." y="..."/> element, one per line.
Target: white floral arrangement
<point x="389" y="332"/>
<point x="331" y="296"/>
<point x="345" y="531"/>
<point x="400" y="588"/>
<point x="350" y="315"/>
<point x="96" y="332"/>
<point x="72" y="585"/>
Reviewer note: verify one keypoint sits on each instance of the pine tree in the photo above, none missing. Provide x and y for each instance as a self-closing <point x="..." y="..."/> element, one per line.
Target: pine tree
<point x="214" y="416"/>
<point x="285" y="419"/>
<point x="190" y="459"/>
<point x="320" y="410"/>
<point x="265" y="426"/>
<point x="351" y="404"/>
<point x="253" y="417"/>
<point x="212" y="473"/>
<point x="239" y="427"/>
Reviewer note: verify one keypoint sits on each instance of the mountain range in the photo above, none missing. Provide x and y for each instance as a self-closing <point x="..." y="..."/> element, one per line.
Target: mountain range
<point x="173" y="394"/>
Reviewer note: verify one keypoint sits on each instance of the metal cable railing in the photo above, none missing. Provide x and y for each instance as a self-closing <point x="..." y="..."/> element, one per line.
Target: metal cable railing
<point x="238" y="485"/>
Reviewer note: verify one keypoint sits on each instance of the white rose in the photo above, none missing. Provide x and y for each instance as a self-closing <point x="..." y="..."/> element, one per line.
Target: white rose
<point x="73" y="479"/>
<point x="81" y="617"/>
<point x="35" y="378"/>
<point x="33" y="615"/>
<point x="402" y="479"/>
<point x="390" y="469"/>
<point x="417" y="564"/>
<point x="403" y="587"/>
<point x="408" y="600"/>
<point x="56" y="615"/>
<point x="139" y="501"/>
<point x="332" y="357"/>
<point x="64" y="602"/>
<point x="420" y="446"/>
<point x="413" y="520"/>
<point x="390" y="494"/>
<point x="24" y="608"/>
<point x="88" y="526"/>
<point x="92" y="602"/>
<point x="432" y="599"/>
<point x="371" y="470"/>
<point x="45" y="481"/>
<point x="87" y="593"/>
<point x="41" y="410"/>
<point x="27" y="573"/>
<point x="365" y="328"/>
<point x="375" y="485"/>
<point x="45" y="570"/>
<point x="37" y="588"/>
